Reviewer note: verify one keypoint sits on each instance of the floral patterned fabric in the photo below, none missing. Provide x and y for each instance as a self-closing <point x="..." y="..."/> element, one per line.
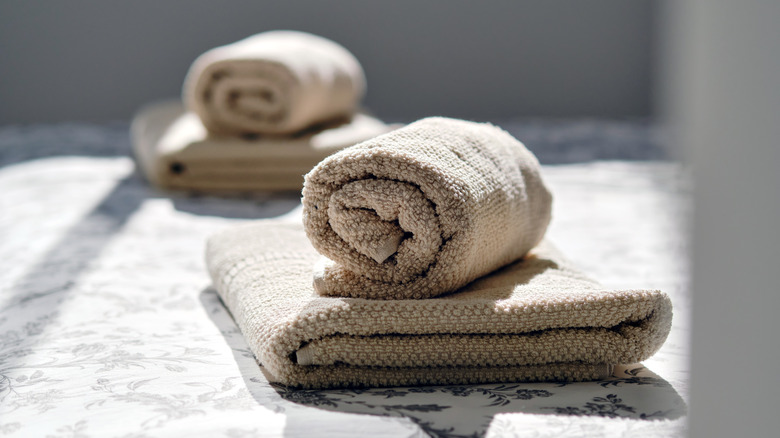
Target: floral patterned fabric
<point x="109" y="326"/>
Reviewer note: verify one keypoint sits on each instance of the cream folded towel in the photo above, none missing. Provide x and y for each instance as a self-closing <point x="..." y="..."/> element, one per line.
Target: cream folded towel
<point x="276" y="82"/>
<point x="175" y="151"/>
<point x="423" y="210"/>
<point x="538" y="319"/>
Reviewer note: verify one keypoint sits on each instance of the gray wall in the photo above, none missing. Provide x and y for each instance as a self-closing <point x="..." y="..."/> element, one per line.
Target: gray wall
<point x="100" y="60"/>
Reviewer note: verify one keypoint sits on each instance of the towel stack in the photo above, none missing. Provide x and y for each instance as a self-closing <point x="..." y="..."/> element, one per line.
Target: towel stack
<point x="257" y="115"/>
<point x="432" y="269"/>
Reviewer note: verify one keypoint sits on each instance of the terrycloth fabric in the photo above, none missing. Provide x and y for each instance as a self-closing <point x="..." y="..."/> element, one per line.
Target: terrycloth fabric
<point x="423" y="210"/>
<point x="276" y="82"/>
<point x="538" y="319"/>
<point x="175" y="151"/>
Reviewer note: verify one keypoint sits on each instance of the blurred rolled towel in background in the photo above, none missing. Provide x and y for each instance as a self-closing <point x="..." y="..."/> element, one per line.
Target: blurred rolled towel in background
<point x="257" y="115"/>
<point x="277" y="82"/>
<point x="175" y="151"/>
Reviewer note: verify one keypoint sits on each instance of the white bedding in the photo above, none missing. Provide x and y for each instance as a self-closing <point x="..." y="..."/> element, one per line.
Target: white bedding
<point x="108" y="325"/>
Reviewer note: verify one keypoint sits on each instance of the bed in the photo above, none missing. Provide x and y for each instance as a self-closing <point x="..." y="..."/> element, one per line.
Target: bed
<point x="109" y="326"/>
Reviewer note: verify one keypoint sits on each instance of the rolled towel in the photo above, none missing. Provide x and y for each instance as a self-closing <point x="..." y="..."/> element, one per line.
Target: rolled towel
<point x="278" y="82"/>
<point x="423" y="210"/>
<point x="535" y="320"/>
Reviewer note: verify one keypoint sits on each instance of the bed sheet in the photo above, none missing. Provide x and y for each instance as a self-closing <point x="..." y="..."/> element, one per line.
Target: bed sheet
<point x="109" y="326"/>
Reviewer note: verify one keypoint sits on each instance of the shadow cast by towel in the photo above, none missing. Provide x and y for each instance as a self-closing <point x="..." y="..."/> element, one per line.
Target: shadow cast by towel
<point x="57" y="270"/>
<point x="501" y="283"/>
<point x="50" y="282"/>
<point x="249" y="206"/>
<point x="23" y="143"/>
<point x="79" y="246"/>
<point x="633" y="392"/>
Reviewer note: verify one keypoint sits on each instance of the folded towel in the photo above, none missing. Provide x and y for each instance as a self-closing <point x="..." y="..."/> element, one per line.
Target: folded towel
<point x="535" y="320"/>
<point x="175" y="151"/>
<point x="274" y="83"/>
<point x="423" y="210"/>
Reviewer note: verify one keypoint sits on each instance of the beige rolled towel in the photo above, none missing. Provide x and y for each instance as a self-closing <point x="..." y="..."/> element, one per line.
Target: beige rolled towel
<point x="538" y="319"/>
<point x="423" y="210"/>
<point x="277" y="82"/>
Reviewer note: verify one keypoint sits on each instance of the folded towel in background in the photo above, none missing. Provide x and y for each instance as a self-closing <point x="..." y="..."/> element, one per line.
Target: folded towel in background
<point x="423" y="210"/>
<point x="277" y="82"/>
<point x="175" y="151"/>
<point x="538" y="319"/>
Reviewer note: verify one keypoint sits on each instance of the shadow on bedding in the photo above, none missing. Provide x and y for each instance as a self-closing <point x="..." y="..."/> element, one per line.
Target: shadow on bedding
<point x="632" y="392"/>
<point x="251" y="206"/>
<point x="58" y="270"/>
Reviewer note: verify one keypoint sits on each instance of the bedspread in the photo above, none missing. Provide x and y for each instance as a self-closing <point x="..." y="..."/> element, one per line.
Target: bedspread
<point x="109" y="325"/>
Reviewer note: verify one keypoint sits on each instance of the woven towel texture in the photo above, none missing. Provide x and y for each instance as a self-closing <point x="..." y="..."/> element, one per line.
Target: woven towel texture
<point x="277" y="82"/>
<point x="423" y="210"/>
<point x="538" y="319"/>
